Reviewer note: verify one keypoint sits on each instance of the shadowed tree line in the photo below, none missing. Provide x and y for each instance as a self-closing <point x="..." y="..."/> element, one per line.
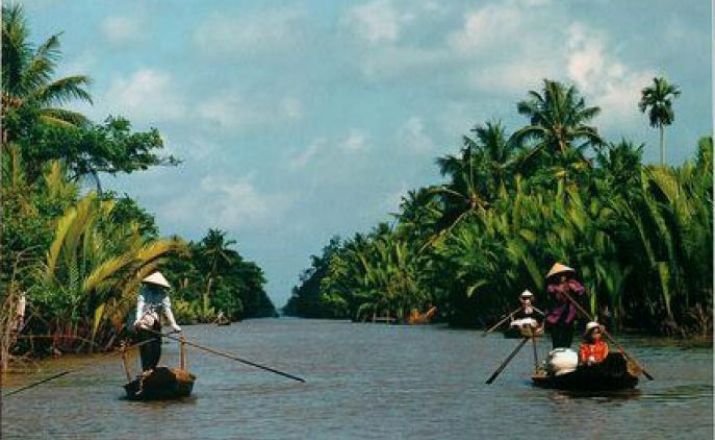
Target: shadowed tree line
<point x="78" y="253"/>
<point x="513" y="203"/>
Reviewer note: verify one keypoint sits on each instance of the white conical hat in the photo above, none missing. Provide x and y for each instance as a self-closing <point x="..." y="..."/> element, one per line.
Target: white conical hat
<point x="592" y="325"/>
<point x="558" y="268"/>
<point x="526" y="293"/>
<point x="158" y="279"/>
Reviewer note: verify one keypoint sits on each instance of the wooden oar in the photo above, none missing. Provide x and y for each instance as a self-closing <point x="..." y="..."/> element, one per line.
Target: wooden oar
<point x="506" y="362"/>
<point x="63" y="373"/>
<point x="608" y="335"/>
<point x="536" y="354"/>
<point x="495" y="326"/>
<point x="231" y="356"/>
<point x="39" y="382"/>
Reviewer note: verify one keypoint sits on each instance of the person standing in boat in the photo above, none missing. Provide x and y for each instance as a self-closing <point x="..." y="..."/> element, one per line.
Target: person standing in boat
<point x="593" y="349"/>
<point x="526" y="319"/>
<point x="561" y="318"/>
<point x="153" y="302"/>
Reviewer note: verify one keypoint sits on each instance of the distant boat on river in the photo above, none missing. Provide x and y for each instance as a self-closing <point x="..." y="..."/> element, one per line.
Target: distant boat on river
<point x="417" y="318"/>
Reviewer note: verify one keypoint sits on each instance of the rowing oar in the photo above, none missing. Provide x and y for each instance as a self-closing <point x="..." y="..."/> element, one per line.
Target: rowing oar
<point x="495" y="326"/>
<point x="58" y="375"/>
<point x="504" y="364"/>
<point x="231" y="356"/>
<point x="40" y="382"/>
<point x="608" y="335"/>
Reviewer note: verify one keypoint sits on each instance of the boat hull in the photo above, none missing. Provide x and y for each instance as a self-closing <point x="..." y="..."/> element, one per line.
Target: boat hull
<point x="614" y="373"/>
<point x="162" y="384"/>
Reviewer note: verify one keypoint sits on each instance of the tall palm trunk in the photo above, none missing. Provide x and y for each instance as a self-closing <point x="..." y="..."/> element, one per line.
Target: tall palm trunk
<point x="662" y="145"/>
<point x="214" y="268"/>
<point x="206" y="295"/>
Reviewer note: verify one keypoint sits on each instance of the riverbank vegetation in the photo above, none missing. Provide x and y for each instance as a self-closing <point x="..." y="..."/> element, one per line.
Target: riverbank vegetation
<point x="77" y="253"/>
<point x="514" y="202"/>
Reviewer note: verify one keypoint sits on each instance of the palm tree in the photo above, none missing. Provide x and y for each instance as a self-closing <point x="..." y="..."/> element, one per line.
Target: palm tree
<point x="27" y="76"/>
<point x="477" y="177"/>
<point x="93" y="268"/>
<point x="215" y="249"/>
<point x="657" y="99"/>
<point x="558" y="118"/>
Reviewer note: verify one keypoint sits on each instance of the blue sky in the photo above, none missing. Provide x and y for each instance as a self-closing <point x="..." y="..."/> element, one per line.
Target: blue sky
<point x="300" y="120"/>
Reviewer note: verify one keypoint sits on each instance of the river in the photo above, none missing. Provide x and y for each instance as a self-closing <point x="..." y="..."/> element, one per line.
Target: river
<point x="364" y="381"/>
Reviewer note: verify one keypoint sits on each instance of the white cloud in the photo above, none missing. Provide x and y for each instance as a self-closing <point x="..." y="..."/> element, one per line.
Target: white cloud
<point x="121" y="30"/>
<point x="494" y="23"/>
<point x="355" y="141"/>
<point x="227" y="110"/>
<point x="413" y="136"/>
<point x="232" y="203"/>
<point x="375" y="22"/>
<point x="302" y="158"/>
<point x="267" y="30"/>
<point x="231" y="110"/>
<point x="602" y="77"/>
<point x="512" y="77"/>
<point x="149" y="95"/>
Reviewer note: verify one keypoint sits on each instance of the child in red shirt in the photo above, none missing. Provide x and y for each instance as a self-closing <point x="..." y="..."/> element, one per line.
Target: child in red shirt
<point x="593" y="350"/>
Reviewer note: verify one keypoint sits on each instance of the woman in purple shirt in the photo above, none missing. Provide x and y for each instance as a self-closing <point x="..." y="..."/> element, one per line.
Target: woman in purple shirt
<point x="561" y="317"/>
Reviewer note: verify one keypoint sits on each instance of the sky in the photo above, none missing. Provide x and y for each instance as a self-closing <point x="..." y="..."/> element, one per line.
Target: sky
<point x="300" y="120"/>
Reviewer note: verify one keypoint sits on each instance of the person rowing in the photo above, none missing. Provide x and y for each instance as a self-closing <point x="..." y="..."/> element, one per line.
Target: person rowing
<point x="561" y="317"/>
<point x="153" y="302"/>
<point x="526" y="319"/>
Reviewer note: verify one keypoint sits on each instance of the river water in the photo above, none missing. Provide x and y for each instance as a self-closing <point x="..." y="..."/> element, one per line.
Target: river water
<point x="364" y="381"/>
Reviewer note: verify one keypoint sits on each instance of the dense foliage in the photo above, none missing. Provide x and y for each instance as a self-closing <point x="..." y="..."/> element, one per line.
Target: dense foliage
<point x="554" y="190"/>
<point x="214" y="278"/>
<point x="79" y="255"/>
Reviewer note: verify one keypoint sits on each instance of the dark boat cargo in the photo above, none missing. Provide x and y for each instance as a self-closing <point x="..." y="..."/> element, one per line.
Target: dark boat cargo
<point x="614" y="373"/>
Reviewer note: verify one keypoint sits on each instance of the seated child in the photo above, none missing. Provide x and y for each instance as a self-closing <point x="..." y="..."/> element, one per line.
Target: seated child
<point x="593" y="350"/>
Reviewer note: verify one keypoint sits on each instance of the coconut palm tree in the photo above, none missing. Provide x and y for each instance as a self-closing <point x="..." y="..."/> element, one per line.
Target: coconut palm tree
<point x="558" y="119"/>
<point x="215" y="249"/>
<point x="28" y="81"/>
<point x="657" y="100"/>
<point x="477" y="177"/>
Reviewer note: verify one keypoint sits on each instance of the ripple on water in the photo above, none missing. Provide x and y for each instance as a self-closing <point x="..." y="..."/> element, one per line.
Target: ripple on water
<point x="366" y="381"/>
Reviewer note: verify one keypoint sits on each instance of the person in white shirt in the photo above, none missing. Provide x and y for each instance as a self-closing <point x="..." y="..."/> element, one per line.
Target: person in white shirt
<point x="153" y="302"/>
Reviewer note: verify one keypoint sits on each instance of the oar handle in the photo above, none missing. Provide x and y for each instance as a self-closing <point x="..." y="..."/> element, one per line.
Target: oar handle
<point x="39" y="382"/>
<point x="231" y="356"/>
<point x="608" y="335"/>
<point x="506" y="362"/>
<point x="502" y="321"/>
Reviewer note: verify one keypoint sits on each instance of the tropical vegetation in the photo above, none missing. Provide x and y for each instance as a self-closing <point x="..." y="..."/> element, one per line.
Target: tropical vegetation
<point x="512" y="204"/>
<point x="76" y="253"/>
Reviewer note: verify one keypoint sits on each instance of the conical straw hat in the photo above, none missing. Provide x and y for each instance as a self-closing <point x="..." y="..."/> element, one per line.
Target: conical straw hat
<point x="526" y="294"/>
<point x="592" y="325"/>
<point x="158" y="279"/>
<point x="559" y="268"/>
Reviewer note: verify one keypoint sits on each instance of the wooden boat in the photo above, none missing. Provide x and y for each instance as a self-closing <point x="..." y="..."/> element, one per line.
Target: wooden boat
<point x="614" y="373"/>
<point x="163" y="383"/>
<point x="417" y="318"/>
<point x="224" y="321"/>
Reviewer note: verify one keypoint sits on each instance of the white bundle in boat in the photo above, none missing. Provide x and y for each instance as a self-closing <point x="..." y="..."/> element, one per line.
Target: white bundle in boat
<point x="562" y="361"/>
<point x="528" y="327"/>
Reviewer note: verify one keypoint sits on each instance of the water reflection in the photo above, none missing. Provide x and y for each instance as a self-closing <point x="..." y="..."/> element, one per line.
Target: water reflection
<point x="598" y="396"/>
